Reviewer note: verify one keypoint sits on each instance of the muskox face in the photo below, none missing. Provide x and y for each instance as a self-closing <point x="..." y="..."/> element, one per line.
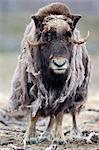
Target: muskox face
<point x="56" y="45"/>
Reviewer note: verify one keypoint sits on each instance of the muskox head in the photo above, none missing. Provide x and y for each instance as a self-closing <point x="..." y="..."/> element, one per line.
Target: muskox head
<point x="54" y="34"/>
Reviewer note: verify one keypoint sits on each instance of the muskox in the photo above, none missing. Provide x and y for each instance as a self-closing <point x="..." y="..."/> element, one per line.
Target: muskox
<point x="53" y="69"/>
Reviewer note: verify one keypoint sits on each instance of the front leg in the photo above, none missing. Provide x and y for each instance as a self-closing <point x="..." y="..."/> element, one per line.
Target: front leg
<point x="31" y="131"/>
<point x="59" y="135"/>
<point x="46" y="135"/>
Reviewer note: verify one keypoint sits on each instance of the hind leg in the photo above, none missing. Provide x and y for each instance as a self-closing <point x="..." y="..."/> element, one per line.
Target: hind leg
<point x="59" y="135"/>
<point x="74" y="132"/>
<point x="31" y="131"/>
<point x="74" y="128"/>
<point x="46" y="135"/>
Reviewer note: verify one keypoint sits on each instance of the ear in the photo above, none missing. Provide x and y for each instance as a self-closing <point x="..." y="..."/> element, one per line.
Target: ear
<point x="37" y="20"/>
<point x="75" y="19"/>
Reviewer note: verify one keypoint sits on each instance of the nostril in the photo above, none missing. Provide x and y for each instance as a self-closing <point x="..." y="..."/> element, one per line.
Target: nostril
<point x="59" y="63"/>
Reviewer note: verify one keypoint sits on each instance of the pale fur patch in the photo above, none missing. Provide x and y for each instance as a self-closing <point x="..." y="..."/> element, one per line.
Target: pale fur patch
<point x="57" y="22"/>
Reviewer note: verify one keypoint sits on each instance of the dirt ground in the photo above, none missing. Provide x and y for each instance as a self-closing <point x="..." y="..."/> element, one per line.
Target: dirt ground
<point x="11" y="136"/>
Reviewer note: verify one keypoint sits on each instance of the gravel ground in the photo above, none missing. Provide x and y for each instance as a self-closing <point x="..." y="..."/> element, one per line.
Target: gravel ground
<point x="11" y="136"/>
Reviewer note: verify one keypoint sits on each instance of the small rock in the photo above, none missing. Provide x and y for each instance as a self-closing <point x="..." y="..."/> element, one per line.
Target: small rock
<point x="19" y="148"/>
<point x="52" y="147"/>
<point x="93" y="138"/>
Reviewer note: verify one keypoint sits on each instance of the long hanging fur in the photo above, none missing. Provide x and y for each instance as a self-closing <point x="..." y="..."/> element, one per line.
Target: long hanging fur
<point x="77" y="80"/>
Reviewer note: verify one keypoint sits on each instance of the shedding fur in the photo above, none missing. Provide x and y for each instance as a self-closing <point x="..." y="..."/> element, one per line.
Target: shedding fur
<point x="26" y="67"/>
<point x="28" y="91"/>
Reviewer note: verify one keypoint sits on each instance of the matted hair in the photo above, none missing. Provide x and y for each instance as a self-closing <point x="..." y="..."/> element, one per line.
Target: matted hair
<point x="78" y="76"/>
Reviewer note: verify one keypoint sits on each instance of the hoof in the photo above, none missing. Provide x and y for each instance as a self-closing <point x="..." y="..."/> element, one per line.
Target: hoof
<point x="45" y="137"/>
<point x="33" y="141"/>
<point x="75" y="133"/>
<point x="29" y="141"/>
<point x="59" y="141"/>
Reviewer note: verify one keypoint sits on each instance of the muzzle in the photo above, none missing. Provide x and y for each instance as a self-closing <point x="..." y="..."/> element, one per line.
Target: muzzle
<point x="59" y="64"/>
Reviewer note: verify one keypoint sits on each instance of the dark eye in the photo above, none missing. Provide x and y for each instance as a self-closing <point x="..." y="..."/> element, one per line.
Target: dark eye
<point x="45" y="34"/>
<point x="68" y="33"/>
<point x="53" y="34"/>
<point x="45" y="37"/>
<point x="49" y="35"/>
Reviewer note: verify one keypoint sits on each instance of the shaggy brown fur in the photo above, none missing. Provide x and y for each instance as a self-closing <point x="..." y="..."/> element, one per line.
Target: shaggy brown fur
<point x="55" y="9"/>
<point x="34" y="89"/>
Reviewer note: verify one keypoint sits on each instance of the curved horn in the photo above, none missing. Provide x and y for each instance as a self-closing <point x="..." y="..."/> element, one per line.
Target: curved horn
<point x="81" y="41"/>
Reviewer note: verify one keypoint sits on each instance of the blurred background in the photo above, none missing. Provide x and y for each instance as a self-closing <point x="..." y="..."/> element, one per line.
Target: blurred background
<point x="14" y="17"/>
